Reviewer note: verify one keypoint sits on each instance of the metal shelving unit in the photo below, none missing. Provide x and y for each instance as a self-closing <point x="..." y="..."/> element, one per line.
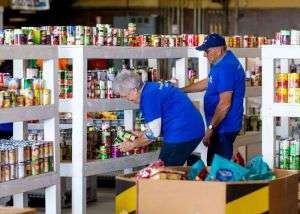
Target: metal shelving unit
<point x="80" y="105"/>
<point x="271" y="109"/>
<point x="49" y="113"/>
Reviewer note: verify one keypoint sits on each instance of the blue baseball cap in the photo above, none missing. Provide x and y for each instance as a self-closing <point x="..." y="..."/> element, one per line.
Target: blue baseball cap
<point x="211" y="41"/>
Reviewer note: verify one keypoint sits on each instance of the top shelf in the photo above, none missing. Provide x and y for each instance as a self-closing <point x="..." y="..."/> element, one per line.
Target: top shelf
<point x="90" y="52"/>
<point x="239" y="52"/>
<point x="281" y="51"/>
<point x="28" y="52"/>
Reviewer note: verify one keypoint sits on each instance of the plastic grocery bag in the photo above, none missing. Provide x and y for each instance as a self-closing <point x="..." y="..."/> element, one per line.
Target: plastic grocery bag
<point x="258" y="169"/>
<point x="226" y="170"/>
<point x="195" y="170"/>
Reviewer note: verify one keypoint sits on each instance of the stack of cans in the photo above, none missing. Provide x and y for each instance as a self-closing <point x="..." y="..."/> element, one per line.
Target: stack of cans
<point x="25" y="158"/>
<point x="99" y="85"/>
<point x="288" y="154"/>
<point x="65" y="84"/>
<point x="24" y="92"/>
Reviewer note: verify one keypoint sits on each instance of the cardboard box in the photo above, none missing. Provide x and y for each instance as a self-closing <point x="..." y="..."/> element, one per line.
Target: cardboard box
<point x="278" y="196"/>
<point x="13" y="210"/>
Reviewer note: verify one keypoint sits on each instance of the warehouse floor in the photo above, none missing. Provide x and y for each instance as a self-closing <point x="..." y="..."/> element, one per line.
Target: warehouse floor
<point x="104" y="205"/>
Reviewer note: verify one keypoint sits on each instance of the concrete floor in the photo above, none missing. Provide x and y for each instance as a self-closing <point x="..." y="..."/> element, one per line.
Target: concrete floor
<point x="104" y="205"/>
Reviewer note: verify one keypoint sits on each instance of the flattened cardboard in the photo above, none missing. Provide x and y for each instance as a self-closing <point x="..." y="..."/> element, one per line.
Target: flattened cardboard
<point x="13" y="210"/>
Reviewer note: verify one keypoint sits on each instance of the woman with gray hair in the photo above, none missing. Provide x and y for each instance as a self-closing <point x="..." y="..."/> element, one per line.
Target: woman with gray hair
<point x="168" y="112"/>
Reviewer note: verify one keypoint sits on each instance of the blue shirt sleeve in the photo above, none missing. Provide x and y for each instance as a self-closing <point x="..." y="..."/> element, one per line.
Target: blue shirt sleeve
<point x="225" y="80"/>
<point x="151" y="106"/>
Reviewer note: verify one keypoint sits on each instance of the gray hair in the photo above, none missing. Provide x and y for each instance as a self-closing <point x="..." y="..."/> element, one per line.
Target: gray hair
<point x="126" y="81"/>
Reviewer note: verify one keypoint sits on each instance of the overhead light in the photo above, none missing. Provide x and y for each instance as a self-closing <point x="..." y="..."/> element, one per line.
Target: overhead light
<point x="17" y="19"/>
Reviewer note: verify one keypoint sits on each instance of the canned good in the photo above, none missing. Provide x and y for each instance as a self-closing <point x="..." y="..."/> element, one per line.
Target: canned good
<point x="35" y="148"/>
<point x="41" y="151"/>
<point x="41" y="163"/>
<point x="71" y="32"/>
<point x="293" y="80"/>
<point x="281" y="95"/>
<point x="103" y="156"/>
<point x="27" y="153"/>
<point x="21" y="170"/>
<point x="79" y="35"/>
<point x="5" y="156"/>
<point x="51" y="163"/>
<point x="7" y="100"/>
<point x="28" y="168"/>
<point x="294" y="95"/>
<point x="12" y="156"/>
<point x="9" y="37"/>
<point x="37" y="97"/>
<point x="21" y="154"/>
<point x="29" y="97"/>
<point x="1" y="99"/>
<point x="281" y="80"/>
<point x="294" y="148"/>
<point x="294" y="163"/>
<point x="46" y="97"/>
<point x="13" y="172"/>
<point x="50" y="149"/>
<point x="284" y="162"/>
<point x="46" y="165"/>
<point x="285" y="148"/>
<point x="46" y="150"/>
<point x="6" y="172"/>
<point x="20" y="101"/>
<point x="35" y="167"/>
<point x="102" y="94"/>
<point x="102" y="85"/>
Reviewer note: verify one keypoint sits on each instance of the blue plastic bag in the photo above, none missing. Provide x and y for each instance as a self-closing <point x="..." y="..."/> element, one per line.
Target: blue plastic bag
<point x="195" y="170"/>
<point x="258" y="169"/>
<point x="226" y="170"/>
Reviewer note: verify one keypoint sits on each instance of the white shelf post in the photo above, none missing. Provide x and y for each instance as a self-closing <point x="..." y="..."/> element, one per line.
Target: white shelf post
<point x="51" y="133"/>
<point x="19" y="129"/>
<point x="181" y="68"/>
<point x="79" y="135"/>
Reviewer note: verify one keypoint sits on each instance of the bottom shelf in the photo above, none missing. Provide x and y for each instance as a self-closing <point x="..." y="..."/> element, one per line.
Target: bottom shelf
<point x="97" y="167"/>
<point x="29" y="183"/>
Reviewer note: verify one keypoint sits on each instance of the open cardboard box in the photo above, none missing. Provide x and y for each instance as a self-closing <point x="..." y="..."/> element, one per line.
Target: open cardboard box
<point x="278" y="196"/>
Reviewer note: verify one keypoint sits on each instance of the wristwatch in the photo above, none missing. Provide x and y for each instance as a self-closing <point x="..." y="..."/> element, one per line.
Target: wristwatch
<point x="210" y="127"/>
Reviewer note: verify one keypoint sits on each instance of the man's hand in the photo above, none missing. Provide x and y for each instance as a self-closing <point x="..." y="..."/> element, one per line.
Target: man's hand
<point x="207" y="137"/>
<point x="127" y="146"/>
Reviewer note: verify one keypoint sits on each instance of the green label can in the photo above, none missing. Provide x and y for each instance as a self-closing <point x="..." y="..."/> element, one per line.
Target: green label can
<point x="294" y="148"/>
<point x="284" y="147"/>
<point x="284" y="162"/>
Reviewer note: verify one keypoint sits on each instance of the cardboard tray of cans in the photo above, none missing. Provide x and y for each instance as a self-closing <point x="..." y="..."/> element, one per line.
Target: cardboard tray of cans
<point x="181" y="196"/>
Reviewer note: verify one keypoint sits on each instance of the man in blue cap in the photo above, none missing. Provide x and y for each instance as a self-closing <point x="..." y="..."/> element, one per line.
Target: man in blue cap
<point x="223" y="100"/>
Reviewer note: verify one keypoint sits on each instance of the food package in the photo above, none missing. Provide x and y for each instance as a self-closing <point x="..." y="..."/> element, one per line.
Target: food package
<point x="226" y="170"/>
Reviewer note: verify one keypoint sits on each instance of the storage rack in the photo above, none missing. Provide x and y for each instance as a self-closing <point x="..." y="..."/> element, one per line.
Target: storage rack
<point x="271" y="109"/>
<point x="80" y="166"/>
<point x="242" y="141"/>
<point x="18" y="115"/>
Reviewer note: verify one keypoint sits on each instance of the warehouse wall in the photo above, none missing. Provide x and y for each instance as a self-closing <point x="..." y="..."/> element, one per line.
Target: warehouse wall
<point x="266" y="22"/>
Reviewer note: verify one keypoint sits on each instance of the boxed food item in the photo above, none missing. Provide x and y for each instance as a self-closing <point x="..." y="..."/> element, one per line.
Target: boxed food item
<point x="183" y="196"/>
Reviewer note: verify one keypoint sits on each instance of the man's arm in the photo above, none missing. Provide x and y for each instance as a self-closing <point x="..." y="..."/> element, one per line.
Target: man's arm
<point x="220" y="113"/>
<point x="222" y="108"/>
<point x="196" y="87"/>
